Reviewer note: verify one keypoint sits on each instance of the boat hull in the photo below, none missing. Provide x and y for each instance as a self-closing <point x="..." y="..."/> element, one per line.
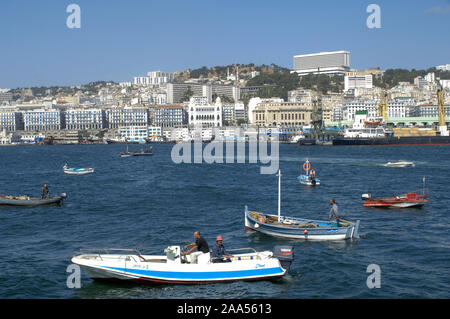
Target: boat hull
<point x="326" y="231"/>
<point x="404" y="201"/>
<point x="306" y="180"/>
<point x="77" y="171"/>
<point x="407" y="140"/>
<point x="135" y="270"/>
<point x="31" y="202"/>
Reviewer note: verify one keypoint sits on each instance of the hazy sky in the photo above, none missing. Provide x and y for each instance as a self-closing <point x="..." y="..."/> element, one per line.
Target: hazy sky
<point x="121" y="39"/>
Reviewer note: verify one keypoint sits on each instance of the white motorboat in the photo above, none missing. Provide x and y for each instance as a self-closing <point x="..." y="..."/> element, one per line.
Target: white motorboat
<point x="175" y="268"/>
<point x="399" y="164"/>
<point x="77" y="171"/>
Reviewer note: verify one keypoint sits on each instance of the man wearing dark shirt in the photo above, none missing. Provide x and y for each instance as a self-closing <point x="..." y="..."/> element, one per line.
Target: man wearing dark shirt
<point x="200" y="244"/>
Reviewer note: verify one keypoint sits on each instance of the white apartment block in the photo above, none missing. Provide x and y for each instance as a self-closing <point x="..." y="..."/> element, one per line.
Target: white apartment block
<point x="154" y="78"/>
<point x="85" y="119"/>
<point x="353" y="81"/>
<point x="42" y="120"/>
<point x="126" y="117"/>
<point x="11" y="121"/>
<point x="205" y="114"/>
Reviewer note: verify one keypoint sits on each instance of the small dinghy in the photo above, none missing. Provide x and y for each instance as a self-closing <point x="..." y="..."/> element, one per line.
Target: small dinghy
<point x="144" y="152"/>
<point x="27" y="201"/>
<point x="298" y="228"/>
<point x="175" y="268"/>
<point x="399" y="164"/>
<point x="77" y="171"/>
<point x="309" y="178"/>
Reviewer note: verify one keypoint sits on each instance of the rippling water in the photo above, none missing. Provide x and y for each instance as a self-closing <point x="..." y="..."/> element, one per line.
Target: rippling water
<point x="153" y="202"/>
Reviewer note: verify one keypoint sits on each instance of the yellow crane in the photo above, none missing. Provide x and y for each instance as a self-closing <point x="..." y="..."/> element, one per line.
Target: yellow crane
<point x="382" y="107"/>
<point x="441" y="113"/>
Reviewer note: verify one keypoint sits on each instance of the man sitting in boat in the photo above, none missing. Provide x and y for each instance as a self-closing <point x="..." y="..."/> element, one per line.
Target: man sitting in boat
<point x="202" y="247"/>
<point x="312" y="173"/>
<point x="219" y="254"/>
<point x="45" y="194"/>
<point x="334" y="214"/>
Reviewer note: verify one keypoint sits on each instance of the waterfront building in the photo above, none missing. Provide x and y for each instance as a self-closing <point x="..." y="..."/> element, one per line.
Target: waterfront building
<point x="43" y="120"/>
<point x="8" y="137"/>
<point x="282" y="114"/>
<point x="170" y="116"/>
<point x="205" y="114"/>
<point x="126" y="117"/>
<point x="155" y="133"/>
<point x="11" y="121"/>
<point x="228" y="114"/>
<point x="353" y="81"/>
<point x="336" y="62"/>
<point x="85" y="119"/>
<point x="239" y="111"/>
<point x="134" y="133"/>
<point x="431" y="110"/>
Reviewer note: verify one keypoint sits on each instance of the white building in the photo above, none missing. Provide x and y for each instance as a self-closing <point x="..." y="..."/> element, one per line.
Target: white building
<point x="202" y="113"/>
<point x="134" y="133"/>
<point x="126" y="117"/>
<point x="43" y="120"/>
<point x="11" y="121"/>
<point x="85" y="119"/>
<point x="445" y="67"/>
<point x="337" y="62"/>
<point x="154" y="78"/>
<point x="353" y="81"/>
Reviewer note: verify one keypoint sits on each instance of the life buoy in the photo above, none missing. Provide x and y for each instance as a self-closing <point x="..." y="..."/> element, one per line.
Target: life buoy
<point x="306" y="166"/>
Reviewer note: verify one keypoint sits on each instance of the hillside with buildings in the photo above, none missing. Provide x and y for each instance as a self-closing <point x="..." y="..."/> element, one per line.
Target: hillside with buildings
<point x="321" y="90"/>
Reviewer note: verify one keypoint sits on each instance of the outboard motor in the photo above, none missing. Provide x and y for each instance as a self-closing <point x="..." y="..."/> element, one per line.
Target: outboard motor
<point x="285" y="254"/>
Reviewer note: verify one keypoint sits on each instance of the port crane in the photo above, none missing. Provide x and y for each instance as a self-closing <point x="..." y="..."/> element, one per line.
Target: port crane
<point x="441" y="113"/>
<point x="382" y="107"/>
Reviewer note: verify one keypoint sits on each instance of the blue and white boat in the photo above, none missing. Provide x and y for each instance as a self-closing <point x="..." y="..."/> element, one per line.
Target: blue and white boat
<point x="77" y="171"/>
<point x="298" y="228"/>
<point x="175" y="268"/>
<point x="309" y="178"/>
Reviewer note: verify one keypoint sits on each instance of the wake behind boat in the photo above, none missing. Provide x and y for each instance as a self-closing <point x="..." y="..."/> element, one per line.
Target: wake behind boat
<point x="298" y="228"/>
<point x="77" y="171"/>
<point x="174" y="268"/>
<point x="27" y="201"/>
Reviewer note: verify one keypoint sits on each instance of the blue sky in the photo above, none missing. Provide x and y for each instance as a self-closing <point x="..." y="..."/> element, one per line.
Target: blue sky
<point x="120" y="39"/>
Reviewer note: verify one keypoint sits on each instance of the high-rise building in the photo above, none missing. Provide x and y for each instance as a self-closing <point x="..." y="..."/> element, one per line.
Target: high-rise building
<point x="337" y="62"/>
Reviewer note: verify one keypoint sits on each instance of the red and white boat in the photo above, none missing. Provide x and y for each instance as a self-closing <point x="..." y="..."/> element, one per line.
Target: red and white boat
<point x="402" y="201"/>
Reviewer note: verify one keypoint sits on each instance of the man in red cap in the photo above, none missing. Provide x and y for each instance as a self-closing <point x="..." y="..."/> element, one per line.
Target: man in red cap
<point x="219" y="254"/>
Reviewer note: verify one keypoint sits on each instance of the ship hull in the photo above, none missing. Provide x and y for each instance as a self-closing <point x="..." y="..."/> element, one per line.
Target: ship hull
<point x="410" y="140"/>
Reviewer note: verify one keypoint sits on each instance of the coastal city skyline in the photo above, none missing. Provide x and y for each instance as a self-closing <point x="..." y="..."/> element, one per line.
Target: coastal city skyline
<point x="118" y="41"/>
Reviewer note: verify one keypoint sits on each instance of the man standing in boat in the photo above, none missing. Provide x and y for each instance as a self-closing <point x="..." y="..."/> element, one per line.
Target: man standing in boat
<point x="334" y="214"/>
<point x="45" y="194"/>
<point x="200" y="244"/>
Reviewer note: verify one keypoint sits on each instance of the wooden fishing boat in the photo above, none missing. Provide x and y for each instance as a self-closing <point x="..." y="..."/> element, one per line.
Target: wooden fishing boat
<point x="299" y="228"/>
<point x="27" y="201"/>
<point x="402" y="201"/>
<point x="77" y="171"/>
<point x="144" y="152"/>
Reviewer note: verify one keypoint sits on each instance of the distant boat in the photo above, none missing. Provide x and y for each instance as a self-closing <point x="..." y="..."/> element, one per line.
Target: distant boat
<point x="309" y="178"/>
<point x="144" y="152"/>
<point x="77" y="171"/>
<point x="399" y="164"/>
<point x="125" y="154"/>
<point x="27" y="201"/>
<point x="299" y="228"/>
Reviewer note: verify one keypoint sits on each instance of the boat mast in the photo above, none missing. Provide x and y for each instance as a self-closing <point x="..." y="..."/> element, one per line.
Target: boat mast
<point x="279" y="194"/>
